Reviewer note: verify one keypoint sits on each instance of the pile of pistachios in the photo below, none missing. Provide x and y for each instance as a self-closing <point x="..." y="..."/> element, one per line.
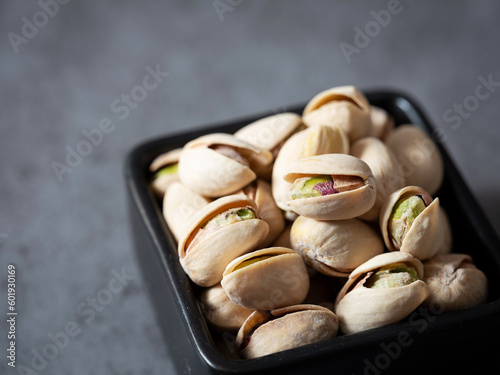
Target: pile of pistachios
<point x="300" y="228"/>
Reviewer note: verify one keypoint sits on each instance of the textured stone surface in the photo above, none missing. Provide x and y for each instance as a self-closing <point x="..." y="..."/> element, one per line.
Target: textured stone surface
<point x="68" y="238"/>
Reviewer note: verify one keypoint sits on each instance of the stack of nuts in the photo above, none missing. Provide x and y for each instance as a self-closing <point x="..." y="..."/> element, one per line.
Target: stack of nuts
<point x="296" y="227"/>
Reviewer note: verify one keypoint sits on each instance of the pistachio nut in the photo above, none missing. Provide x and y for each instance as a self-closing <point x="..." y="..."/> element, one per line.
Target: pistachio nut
<point x="218" y="164"/>
<point x="351" y="192"/>
<point x="267" y="279"/>
<point x="283" y="239"/>
<point x="419" y="158"/>
<point x="267" y="332"/>
<point x="381" y="291"/>
<point x="220" y="312"/>
<point x="345" y="107"/>
<point x="217" y="234"/>
<point x="384" y="166"/>
<point x="447" y="234"/>
<point x="179" y="205"/>
<point x="334" y="248"/>
<point x="260" y="191"/>
<point x="455" y="283"/>
<point x="164" y="168"/>
<point x="382" y="123"/>
<point x="411" y="222"/>
<point x="313" y="141"/>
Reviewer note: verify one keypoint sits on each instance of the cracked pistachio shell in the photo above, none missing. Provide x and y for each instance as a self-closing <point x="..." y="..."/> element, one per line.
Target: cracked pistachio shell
<point x="454" y="282"/>
<point x="360" y="308"/>
<point x="339" y="206"/>
<point x="345" y="107"/>
<point x="334" y="248"/>
<point x="447" y="234"/>
<point x="419" y="158"/>
<point x="312" y="141"/>
<point x="179" y="205"/>
<point x="222" y="313"/>
<point x="160" y="183"/>
<point x="260" y="192"/>
<point x="426" y="235"/>
<point x="382" y="123"/>
<point x="267" y="279"/>
<point x="206" y="260"/>
<point x="213" y="174"/>
<point x="267" y="332"/>
<point x="384" y="166"/>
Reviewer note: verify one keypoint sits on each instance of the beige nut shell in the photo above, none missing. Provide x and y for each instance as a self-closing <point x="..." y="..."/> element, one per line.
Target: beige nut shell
<point x="206" y="261"/>
<point x="345" y="107"/>
<point x="160" y="184"/>
<point x="426" y="235"/>
<point x="382" y="123"/>
<point x="419" y="158"/>
<point x="384" y="166"/>
<point x="268" y="132"/>
<point x="222" y="313"/>
<point x="212" y="174"/>
<point x="179" y="205"/>
<point x="454" y="282"/>
<point x="313" y="141"/>
<point x="340" y="206"/>
<point x="286" y="328"/>
<point x="335" y="248"/>
<point x="361" y="308"/>
<point x="278" y="281"/>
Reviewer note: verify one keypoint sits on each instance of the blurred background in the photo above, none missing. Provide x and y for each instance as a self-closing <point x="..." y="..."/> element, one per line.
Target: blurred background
<point x="68" y="67"/>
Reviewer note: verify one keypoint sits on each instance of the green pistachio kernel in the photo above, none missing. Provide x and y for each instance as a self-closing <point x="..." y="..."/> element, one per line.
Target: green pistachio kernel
<point x="309" y="187"/>
<point x="228" y="217"/>
<point x="403" y="214"/>
<point x="167" y="170"/>
<point x="251" y="261"/>
<point x="392" y="276"/>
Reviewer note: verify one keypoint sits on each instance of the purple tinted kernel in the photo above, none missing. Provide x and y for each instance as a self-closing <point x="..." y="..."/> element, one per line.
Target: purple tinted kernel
<point x="325" y="188"/>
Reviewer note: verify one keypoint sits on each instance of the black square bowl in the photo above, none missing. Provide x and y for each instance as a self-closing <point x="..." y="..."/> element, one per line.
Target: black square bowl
<point x="426" y="342"/>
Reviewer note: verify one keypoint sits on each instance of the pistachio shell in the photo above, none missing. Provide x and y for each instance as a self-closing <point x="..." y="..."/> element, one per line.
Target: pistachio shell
<point x="334" y="248"/>
<point x="454" y="282"/>
<point x="260" y="192"/>
<point x="161" y="183"/>
<point x="222" y="313"/>
<point x="384" y="166"/>
<point x="267" y="332"/>
<point x="345" y="107"/>
<point x="205" y="262"/>
<point x="360" y="308"/>
<point x="179" y="205"/>
<point x="419" y="158"/>
<point x="313" y="141"/>
<point x="382" y="123"/>
<point x="213" y="174"/>
<point x="268" y="132"/>
<point x="447" y="234"/>
<point x="339" y="206"/>
<point x="283" y="240"/>
<point x="276" y="277"/>
<point x="426" y="236"/>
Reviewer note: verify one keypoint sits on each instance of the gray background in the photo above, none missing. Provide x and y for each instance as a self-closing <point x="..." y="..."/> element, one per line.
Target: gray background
<point x="66" y="238"/>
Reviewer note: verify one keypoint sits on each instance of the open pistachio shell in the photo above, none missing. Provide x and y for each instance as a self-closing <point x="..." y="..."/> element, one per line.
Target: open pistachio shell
<point x="384" y="166"/>
<point x="360" y="308"/>
<point x="179" y="205"/>
<point x="163" y="176"/>
<point x="454" y="282"/>
<point x="420" y="161"/>
<point x="313" y="141"/>
<point x="334" y="248"/>
<point x="205" y="253"/>
<point x="260" y="192"/>
<point x="267" y="279"/>
<point x="267" y="332"/>
<point x="269" y="132"/>
<point x="340" y="205"/>
<point x="382" y="123"/>
<point x="215" y="174"/>
<point x="345" y="107"/>
<point x="447" y="233"/>
<point x="425" y="237"/>
<point x="222" y="313"/>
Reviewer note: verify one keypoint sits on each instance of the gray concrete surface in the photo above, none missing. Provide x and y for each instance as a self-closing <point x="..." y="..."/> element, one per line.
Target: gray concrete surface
<point x="70" y="238"/>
